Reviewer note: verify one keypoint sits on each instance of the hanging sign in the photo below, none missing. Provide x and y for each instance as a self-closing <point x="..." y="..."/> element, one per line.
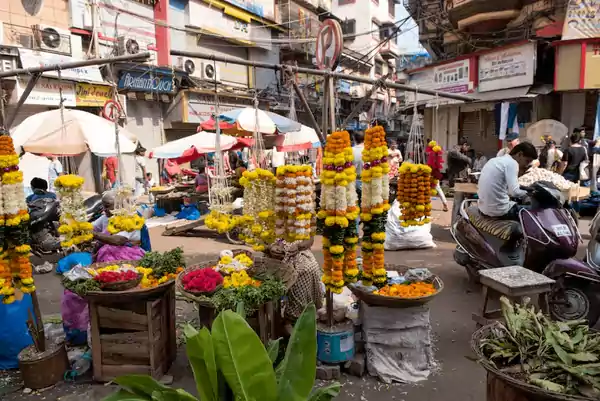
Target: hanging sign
<point x="582" y="20"/>
<point x="90" y="95"/>
<point x="146" y="82"/>
<point x="512" y="67"/>
<point x="330" y="43"/>
<point x="112" y="111"/>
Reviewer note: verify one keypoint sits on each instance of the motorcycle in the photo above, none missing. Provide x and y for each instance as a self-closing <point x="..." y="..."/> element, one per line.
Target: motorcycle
<point x="545" y="240"/>
<point x="44" y="221"/>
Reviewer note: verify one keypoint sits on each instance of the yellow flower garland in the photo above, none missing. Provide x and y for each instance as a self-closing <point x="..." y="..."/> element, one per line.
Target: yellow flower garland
<point x="295" y="206"/>
<point x="414" y="194"/>
<point x="125" y="223"/>
<point x="258" y="220"/>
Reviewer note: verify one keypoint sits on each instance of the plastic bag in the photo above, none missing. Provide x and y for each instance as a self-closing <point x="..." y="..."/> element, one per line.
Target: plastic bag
<point x="159" y="211"/>
<point x="73" y="259"/>
<point x="14" y="335"/>
<point x="190" y="212"/>
<point x="418" y="274"/>
<point x="398" y="237"/>
<point x="76" y="318"/>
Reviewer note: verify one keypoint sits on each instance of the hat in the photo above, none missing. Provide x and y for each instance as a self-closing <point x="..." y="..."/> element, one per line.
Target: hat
<point x="511" y="136"/>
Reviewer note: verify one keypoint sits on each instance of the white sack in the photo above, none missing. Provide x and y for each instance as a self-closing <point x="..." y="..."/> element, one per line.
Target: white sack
<point x="398" y="237"/>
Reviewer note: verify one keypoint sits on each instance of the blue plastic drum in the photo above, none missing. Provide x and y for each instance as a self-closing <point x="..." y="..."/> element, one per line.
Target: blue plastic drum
<point x="335" y="345"/>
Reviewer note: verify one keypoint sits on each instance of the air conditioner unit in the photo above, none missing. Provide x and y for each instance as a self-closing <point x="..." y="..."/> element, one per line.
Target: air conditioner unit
<point x="127" y="45"/>
<point x="192" y="67"/>
<point x="49" y="38"/>
<point x="211" y="72"/>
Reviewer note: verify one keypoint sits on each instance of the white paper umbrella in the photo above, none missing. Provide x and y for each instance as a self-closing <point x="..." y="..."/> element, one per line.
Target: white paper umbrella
<point x="202" y="142"/>
<point x="246" y="120"/>
<point x="306" y="138"/>
<point x="43" y="133"/>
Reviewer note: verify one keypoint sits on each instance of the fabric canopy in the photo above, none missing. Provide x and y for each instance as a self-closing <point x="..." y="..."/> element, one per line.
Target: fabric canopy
<point x="191" y="147"/>
<point x="306" y="138"/>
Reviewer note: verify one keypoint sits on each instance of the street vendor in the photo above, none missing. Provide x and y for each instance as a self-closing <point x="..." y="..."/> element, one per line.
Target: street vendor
<point x="121" y="246"/>
<point x="307" y="287"/>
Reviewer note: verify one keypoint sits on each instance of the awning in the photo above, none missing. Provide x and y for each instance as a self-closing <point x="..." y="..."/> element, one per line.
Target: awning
<point x="522" y="92"/>
<point x="33" y="59"/>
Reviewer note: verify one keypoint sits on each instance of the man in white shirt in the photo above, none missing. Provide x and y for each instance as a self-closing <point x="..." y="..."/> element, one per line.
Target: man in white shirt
<point x="512" y="140"/>
<point x="499" y="181"/>
<point x="55" y="169"/>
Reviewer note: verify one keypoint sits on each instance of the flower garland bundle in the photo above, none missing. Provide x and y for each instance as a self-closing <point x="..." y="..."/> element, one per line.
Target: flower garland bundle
<point x="15" y="267"/>
<point x="221" y="222"/>
<point x="435" y="161"/>
<point x="374" y="205"/>
<point x="295" y="206"/>
<point x="258" y="220"/>
<point x="339" y="210"/>
<point x="74" y="229"/>
<point x="125" y="218"/>
<point x="414" y="194"/>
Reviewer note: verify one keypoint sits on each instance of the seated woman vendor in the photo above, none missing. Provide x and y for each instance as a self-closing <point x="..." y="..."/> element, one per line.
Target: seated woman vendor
<point x="122" y="245"/>
<point x="306" y="276"/>
<point x="201" y="181"/>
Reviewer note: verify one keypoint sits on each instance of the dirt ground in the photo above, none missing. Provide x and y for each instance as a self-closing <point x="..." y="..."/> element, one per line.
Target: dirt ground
<point x="457" y="378"/>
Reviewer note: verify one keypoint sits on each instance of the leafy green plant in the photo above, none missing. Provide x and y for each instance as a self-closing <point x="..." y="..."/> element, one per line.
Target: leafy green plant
<point x="233" y="354"/>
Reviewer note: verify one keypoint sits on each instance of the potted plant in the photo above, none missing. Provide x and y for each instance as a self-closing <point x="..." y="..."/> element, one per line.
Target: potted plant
<point x="233" y="354"/>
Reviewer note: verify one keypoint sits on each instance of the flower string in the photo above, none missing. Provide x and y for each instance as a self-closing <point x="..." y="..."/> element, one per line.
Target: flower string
<point x="414" y="194"/>
<point x="258" y="220"/>
<point x="74" y="229"/>
<point x="295" y="205"/>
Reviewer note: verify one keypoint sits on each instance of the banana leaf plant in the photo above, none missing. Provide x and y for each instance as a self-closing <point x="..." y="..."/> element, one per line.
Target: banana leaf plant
<point x="233" y="354"/>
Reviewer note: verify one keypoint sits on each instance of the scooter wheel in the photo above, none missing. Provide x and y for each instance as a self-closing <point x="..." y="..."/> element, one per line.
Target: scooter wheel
<point x="576" y="301"/>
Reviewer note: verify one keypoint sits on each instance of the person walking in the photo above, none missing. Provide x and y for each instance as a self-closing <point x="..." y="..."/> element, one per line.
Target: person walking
<point x="110" y="169"/>
<point x="140" y="171"/>
<point x="55" y="169"/>
<point x="458" y="161"/>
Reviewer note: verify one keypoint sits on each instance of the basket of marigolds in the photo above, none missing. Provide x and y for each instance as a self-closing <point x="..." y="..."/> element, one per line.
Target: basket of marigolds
<point x="403" y="288"/>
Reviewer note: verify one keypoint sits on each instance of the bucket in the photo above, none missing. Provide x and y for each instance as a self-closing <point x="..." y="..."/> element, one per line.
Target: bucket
<point x="45" y="369"/>
<point x="335" y="344"/>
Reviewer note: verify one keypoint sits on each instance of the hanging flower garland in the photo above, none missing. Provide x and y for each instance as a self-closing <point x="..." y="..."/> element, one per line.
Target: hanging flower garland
<point x="339" y="210"/>
<point x="414" y="194"/>
<point x="295" y="205"/>
<point x="258" y="220"/>
<point x="221" y="222"/>
<point x="374" y="205"/>
<point x="74" y="228"/>
<point x="125" y="218"/>
<point x="435" y="161"/>
<point x="15" y="267"/>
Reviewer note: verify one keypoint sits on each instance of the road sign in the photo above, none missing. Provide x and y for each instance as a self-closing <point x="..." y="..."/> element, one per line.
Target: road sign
<point x="112" y="110"/>
<point x="330" y="43"/>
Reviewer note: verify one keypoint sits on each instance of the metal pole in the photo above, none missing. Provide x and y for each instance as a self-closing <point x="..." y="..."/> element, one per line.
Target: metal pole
<point x="1" y="106"/>
<point x="325" y="113"/>
<point x="332" y="104"/>
<point x="32" y="81"/>
<point x="304" y="102"/>
<point x="117" y="142"/>
<point x="358" y="108"/>
<point x="278" y="67"/>
<point x="75" y="64"/>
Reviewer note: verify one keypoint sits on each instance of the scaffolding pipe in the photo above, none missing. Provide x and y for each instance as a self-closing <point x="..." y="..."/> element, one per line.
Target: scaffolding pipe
<point x="75" y="64"/>
<point x="32" y="82"/>
<point x="279" y="67"/>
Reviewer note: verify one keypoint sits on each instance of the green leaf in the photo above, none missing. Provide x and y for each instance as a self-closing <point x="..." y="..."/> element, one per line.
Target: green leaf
<point x="548" y="385"/>
<point x="584" y="357"/>
<point x="242" y="359"/>
<point x="172" y="395"/>
<point x="298" y="368"/>
<point x="325" y="393"/>
<point x="124" y="395"/>
<point x="201" y="355"/>
<point x="240" y="309"/>
<point x="140" y="384"/>
<point x="273" y="349"/>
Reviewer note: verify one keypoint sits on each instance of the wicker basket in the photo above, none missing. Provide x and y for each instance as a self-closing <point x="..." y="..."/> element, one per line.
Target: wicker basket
<point x="519" y="385"/>
<point x="137" y="293"/>
<point x="161" y="191"/>
<point x="122" y="285"/>
<point x="395" y="302"/>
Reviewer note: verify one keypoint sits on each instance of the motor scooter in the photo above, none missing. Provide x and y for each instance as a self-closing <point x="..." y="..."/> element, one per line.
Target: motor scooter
<point x="545" y="240"/>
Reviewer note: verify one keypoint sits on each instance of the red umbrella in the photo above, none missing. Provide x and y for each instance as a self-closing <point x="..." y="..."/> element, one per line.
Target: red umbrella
<point x="211" y="125"/>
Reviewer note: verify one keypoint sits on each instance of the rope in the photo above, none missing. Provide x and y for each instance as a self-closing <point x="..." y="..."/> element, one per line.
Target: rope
<point x="415" y="147"/>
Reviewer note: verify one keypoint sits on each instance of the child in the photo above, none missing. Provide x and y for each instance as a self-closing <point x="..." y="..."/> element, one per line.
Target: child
<point x="149" y="184"/>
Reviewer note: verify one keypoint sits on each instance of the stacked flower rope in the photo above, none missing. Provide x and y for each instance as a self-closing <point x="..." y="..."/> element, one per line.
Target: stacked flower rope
<point x="374" y="205"/>
<point x="414" y="194"/>
<point x="339" y="210"/>
<point x="258" y="220"/>
<point x="295" y="205"/>
<point x="15" y="267"/>
<point x="74" y="228"/>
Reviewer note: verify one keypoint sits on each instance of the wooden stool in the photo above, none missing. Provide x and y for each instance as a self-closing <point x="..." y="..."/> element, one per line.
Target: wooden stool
<point x="514" y="282"/>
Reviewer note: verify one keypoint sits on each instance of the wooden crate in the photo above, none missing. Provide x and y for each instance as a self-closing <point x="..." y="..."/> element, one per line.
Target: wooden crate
<point x="136" y="337"/>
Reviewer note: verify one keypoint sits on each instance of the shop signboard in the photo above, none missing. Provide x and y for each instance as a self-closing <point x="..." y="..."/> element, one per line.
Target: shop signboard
<point x="261" y="8"/>
<point x="452" y="77"/>
<point x="47" y="92"/>
<point x="511" y="67"/>
<point x="201" y="107"/>
<point x="146" y="81"/>
<point x="344" y="86"/>
<point x="582" y="20"/>
<point x="33" y="59"/>
<point x="213" y="19"/>
<point x="90" y="95"/>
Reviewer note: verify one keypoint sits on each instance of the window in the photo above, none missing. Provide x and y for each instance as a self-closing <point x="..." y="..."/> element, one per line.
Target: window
<point x="375" y="30"/>
<point x="349" y="27"/>
<point x="392" y="8"/>
<point x="378" y="68"/>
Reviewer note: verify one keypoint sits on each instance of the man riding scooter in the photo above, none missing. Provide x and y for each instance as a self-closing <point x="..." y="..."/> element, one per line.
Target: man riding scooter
<point x="541" y="236"/>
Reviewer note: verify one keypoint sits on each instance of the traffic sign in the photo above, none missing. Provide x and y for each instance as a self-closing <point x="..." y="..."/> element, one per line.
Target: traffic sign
<point x="330" y="43"/>
<point x="112" y="111"/>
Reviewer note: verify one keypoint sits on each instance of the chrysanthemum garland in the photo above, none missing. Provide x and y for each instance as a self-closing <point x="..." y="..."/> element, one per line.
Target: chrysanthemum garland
<point x="258" y="221"/>
<point x="125" y="218"/>
<point x="15" y="267"/>
<point x="339" y="210"/>
<point x="74" y="229"/>
<point x="295" y="205"/>
<point x="221" y="222"/>
<point x="374" y="205"/>
<point x="414" y="194"/>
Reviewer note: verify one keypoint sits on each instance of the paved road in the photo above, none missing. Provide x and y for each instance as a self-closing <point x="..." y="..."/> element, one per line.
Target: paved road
<point x="458" y="377"/>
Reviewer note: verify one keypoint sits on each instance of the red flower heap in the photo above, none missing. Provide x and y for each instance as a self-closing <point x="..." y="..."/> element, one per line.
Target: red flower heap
<point x="202" y="280"/>
<point x="108" y="277"/>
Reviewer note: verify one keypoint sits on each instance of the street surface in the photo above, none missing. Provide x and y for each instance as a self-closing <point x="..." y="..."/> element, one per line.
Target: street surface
<point x="457" y="378"/>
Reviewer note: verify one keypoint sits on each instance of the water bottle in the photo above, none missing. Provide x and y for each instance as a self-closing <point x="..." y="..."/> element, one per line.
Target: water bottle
<point x="82" y="364"/>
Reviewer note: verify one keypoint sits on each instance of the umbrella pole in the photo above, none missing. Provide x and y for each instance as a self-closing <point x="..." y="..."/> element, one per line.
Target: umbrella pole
<point x="116" y="116"/>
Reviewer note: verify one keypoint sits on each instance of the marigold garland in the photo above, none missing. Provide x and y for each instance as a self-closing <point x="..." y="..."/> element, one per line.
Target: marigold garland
<point x="221" y="222"/>
<point x="435" y="161"/>
<point x="258" y="220"/>
<point x="15" y="267"/>
<point x="414" y="194"/>
<point x="75" y="231"/>
<point x="374" y="205"/>
<point x="339" y="210"/>
<point x="295" y="205"/>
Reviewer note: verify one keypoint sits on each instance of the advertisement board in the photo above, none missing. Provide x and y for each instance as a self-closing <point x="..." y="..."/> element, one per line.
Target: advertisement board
<point x="507" y="68"/>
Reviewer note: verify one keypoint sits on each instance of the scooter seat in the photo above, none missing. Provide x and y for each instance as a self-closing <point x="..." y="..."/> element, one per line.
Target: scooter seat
<point x="504" y="229"/>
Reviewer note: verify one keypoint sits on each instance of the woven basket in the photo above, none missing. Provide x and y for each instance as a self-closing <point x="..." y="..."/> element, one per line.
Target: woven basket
<point x="262" y="267"/>
<point x="122" y="285"/>
<point x="394" y="302"/>
<point x="133" y="293"/>
<point x="161" y="191"/>
<point x="520" y="385"/>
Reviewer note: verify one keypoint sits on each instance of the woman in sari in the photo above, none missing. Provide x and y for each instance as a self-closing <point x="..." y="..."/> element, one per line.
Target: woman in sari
<point x="121" y="246"/>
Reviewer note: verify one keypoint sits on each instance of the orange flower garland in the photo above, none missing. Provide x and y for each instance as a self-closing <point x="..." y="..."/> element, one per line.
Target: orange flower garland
<point x="15" y="267"/>
<point x="414" y="194"/>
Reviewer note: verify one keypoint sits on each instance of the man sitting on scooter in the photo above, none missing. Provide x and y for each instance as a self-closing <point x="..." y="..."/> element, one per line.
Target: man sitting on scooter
<point x="498" y="182"/>
<point x="40" y="190"/>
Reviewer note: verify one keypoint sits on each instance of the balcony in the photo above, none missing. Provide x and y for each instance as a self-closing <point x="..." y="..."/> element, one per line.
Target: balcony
<point x="389" y="50"/>
<point x="301" y="23"/>
<point x="482" y="15"/>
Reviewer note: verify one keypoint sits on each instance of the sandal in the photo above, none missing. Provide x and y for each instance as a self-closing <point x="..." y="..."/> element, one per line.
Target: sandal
<point x="445" y="208"/>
